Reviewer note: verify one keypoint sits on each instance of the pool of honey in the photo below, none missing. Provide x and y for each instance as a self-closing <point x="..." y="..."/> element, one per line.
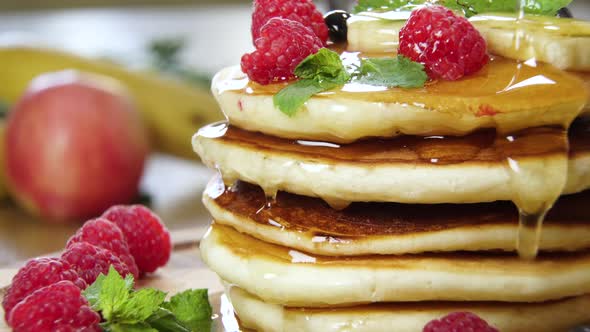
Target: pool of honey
<point x="483" y="146"/>
<point x="313" y="216"/>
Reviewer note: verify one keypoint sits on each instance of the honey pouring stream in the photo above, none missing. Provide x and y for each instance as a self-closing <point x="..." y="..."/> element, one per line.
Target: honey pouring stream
<point x="536" y="184"/>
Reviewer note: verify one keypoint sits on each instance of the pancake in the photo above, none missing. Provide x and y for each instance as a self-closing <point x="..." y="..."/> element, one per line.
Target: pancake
<point x="406" y="317"/>
<point x="283" y="275"/>
<point x="310" y="225"/>
<point x="406" y="169"/>
<point x="504" y="95"/>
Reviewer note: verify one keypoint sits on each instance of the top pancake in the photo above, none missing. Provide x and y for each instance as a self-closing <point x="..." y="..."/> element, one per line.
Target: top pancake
<point x="505" y="94"/>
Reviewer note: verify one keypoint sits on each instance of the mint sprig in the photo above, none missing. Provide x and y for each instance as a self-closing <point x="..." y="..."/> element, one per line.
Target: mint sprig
<point x="386" y="5"/>
<point x="192" y="309"/>
<point x="145" y="310"/>
<point x="469" y="7"/>
<point x="391" y="72"/>
<point x="317" y="73"/>
<point x="325" y="71"/>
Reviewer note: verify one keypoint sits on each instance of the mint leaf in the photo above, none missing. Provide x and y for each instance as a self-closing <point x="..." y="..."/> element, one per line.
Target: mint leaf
<point x="385" y="5"/>
<point x="318" y="72"/>
<point x="192" y="308"/>
<point x="164" y="321"/>
<point x="391" y="72"/>
<point x="109" y="293"/>
<point x="112" y="296"/>
<point x="139" y="327"/>
<point x="290" y="99"/>
<point x="141" y="305"/>
<point x="324" y="65"/>
<point x="145" y="310"/>
<point x="545" y="7"/>
<point x="469" y="7"/>
<point x="92" y="292"/>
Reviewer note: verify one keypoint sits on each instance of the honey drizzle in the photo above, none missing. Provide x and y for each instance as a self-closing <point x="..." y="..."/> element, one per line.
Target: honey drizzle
<point x="536" y="185"/>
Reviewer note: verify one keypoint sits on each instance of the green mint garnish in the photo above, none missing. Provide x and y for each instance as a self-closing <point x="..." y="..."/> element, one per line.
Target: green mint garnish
<point x="324" y="71"/>
<point x="317" y="73"/>
<point x="391" y="72"/>
<point x="192" y="309"/>
<point x="386" y="5"/>
<point x="145" y="310"/>
<point x="469" y="7"/>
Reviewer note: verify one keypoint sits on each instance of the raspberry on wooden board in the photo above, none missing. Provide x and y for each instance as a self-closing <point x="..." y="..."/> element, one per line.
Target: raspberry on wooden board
<point x="90" y="261"/>
<point x="38" y="273"/>
<point x="105" y="234"/>
<point x="57" y="307"/>
<point x="147" y="237"/>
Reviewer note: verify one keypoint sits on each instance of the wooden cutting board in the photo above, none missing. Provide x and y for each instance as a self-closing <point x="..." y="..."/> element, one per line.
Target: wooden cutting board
<point x="185" y="270"/>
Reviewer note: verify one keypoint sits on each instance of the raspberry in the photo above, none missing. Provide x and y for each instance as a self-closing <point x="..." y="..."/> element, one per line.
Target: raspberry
<point x="302" y="11"/>
<point x="58" y="307"/>
<point x="459" y="322"/>
<point x="105" y="234"/>
<point x="90" y="261"/>
<point x="147" y="237"/>
<point x="36" y="274"/>
<point x="282" y="45"/>
<point x="448" y="45"/>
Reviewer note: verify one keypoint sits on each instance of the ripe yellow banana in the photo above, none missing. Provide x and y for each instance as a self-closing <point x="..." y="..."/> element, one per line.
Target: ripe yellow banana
<point x="375" y="32"/>
<point x="563" y="42"/>
<point x="173" y="111"/>
<point x="3" y="191"/>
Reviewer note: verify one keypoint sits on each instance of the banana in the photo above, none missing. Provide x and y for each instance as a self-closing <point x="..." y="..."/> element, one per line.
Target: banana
<point x="562" y="42"/>
<point x="3" y="190"/>
<point x="375" y="32"/>
<point x="172" y="111"/>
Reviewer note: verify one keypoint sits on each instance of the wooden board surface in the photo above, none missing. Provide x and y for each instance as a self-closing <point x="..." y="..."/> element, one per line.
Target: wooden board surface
<point x="185" y="270"/>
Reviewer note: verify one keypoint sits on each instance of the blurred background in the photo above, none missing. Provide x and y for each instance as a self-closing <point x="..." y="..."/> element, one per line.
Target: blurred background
<point x="165" y="52"/>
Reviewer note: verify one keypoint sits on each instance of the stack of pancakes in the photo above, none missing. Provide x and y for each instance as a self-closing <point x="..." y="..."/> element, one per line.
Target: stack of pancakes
<point x="376" y="209"/>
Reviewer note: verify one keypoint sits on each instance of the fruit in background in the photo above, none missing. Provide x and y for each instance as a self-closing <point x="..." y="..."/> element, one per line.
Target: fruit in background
<point x="3" y="192"/>
<point x="75" y="145"/>
<point x="562" y="42"/>
<point x="173" y="111"/>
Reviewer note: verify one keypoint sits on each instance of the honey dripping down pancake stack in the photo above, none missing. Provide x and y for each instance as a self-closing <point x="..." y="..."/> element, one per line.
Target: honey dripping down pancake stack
<point x="432" y="164"/>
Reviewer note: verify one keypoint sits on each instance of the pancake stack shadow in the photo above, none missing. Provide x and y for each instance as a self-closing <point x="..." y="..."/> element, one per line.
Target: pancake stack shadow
<point x="387" y="234"/>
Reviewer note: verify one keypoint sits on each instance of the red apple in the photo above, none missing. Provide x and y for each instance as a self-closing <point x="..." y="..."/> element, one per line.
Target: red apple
<point x="75" y="145"/>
